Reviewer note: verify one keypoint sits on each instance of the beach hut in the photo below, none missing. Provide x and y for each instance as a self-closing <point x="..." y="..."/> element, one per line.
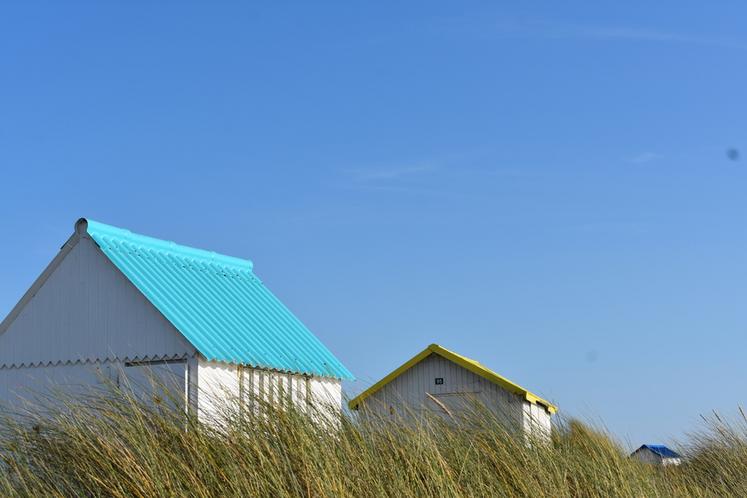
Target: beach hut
<point x="441" y="382"/>
<point x="121" y="307"/>
<point x="657" y="454"/>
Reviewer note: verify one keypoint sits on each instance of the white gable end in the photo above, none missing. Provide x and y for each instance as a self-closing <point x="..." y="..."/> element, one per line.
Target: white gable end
<point x="87" y="310"/>
<point x="456" y="389"/>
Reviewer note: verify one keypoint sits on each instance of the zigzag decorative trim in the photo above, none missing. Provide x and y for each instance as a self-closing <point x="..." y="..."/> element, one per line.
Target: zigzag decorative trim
<point x="89" y="361"/>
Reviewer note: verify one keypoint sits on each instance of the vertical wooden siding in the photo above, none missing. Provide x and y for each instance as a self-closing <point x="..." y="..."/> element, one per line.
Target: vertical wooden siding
<point x="220" y="383"/>
<point x="18" y="386"/>
<point x="407" y="393"/>
<point x="87" y="311"/>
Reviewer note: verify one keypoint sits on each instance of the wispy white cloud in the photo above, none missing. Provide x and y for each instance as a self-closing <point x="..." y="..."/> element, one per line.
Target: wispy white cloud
<point x="645" y="157"/>
<point x="559" y="29"/>
<point x="384" y="173"/>
<point x="408" y="179"/>
<point x="458" y="175"/>
<point x="428" y="177"/>
<point x="653" y="35"/>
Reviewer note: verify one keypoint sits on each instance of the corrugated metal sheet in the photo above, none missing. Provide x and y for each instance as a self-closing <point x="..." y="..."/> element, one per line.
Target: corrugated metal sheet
<point x="217" y="303"/>
<point x="661" y="450"/>
<point x="86" y="310"/>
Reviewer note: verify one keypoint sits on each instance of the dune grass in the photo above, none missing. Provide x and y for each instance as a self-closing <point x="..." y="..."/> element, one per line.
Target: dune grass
<point x="111" y="444"/>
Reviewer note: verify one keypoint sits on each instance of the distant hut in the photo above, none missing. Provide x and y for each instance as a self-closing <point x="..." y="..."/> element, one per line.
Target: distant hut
<point x="444" y="383"/>
<point x="114" y="305"/>
<point x="657" y="454"/>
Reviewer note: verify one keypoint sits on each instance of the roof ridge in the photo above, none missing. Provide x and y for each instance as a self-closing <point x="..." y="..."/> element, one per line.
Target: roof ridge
<point x="87" y="225"/>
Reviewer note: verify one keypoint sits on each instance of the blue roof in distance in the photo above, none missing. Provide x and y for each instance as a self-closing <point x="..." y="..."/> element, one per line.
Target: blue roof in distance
<point x="217" y="303"/>
<point x="661" y="450"/>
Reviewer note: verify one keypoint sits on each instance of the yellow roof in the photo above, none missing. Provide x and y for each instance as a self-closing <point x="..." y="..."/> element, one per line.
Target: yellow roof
<point x="464" y="362"/>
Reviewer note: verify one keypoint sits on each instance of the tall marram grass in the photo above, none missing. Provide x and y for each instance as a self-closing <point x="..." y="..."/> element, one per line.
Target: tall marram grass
<point x="112" y="444"/>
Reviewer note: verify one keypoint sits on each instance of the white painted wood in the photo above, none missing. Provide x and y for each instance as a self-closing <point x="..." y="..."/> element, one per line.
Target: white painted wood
<point x="18" y="385"/>
<point x="536" y="420"/>
<point x="192" y="385"/>
<point x="218" y="390"/>
<point x="325" y="392"/>
<point x="86" y="310"/>
<point x="156" y="382"/>
<point x="222" y="386"/>
<point x="416" y="390"/>
<point x="645" y="455"/>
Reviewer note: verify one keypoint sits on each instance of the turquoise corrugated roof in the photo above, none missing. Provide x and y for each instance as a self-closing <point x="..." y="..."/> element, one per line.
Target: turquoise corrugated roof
<point x="217" y="303"/>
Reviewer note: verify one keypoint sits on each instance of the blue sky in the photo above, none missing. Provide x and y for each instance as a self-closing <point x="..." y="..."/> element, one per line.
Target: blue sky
<point x="545" y="189"/>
